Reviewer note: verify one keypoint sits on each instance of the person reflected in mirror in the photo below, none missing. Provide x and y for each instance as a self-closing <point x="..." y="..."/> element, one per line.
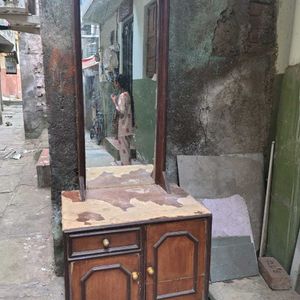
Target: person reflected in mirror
<point x="125" y="129"/>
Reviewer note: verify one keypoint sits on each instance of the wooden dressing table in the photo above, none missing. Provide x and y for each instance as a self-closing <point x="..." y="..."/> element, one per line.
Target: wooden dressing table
<point x="130" y="240"/>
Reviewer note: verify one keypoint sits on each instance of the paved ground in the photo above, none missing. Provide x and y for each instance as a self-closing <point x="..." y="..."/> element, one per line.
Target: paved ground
<point x="96" y="155"/>
<point x="252" y="288"/>
<point x="26" y="251"/>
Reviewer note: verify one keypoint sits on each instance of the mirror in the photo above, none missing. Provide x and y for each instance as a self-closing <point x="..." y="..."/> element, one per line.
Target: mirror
<point x="119" y="74"/>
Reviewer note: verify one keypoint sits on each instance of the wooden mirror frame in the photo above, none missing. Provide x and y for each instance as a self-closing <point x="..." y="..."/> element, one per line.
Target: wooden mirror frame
<point x="162" y="93"/>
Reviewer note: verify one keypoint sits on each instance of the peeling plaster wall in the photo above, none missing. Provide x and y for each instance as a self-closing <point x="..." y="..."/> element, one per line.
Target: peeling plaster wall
<point x="33" y="86"/>
<point x="221" y="62"/>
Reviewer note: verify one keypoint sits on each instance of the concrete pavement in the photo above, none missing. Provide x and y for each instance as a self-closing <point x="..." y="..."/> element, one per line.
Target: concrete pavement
<point x="26" y="250"/>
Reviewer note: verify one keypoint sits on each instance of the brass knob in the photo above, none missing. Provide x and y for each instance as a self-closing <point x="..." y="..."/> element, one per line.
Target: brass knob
<point x="105" y="243"/>
<point x="135" y="276"/>
<point x="150" y="271"/>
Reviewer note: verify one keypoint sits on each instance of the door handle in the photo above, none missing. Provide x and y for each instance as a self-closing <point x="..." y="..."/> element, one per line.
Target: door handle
<point x="135" y="276"/>
<point x="150" y="271"/>
<point x="106" y="243"/>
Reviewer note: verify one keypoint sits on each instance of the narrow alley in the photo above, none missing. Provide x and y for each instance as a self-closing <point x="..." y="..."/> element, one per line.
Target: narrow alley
<point x="26" y="247"/>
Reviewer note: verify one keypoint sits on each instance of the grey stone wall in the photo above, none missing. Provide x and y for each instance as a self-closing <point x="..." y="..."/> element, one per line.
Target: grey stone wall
<point x="221" y="62"/>
<point x="33" y="86"/>
<point x="57" y="33"/>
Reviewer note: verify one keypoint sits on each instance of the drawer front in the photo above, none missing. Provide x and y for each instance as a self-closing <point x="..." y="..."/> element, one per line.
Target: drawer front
<point x="103" y="242"/>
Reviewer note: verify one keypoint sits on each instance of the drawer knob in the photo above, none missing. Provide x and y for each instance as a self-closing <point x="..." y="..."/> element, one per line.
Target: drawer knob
<point x="150" y="271"/>
<point x="135" y="276"/>
<point x="105" y="243"/>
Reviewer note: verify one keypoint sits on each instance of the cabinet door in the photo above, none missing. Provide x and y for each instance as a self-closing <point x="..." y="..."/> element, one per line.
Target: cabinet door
<point x="110" y="278"/>
<point x="177" y="260"/>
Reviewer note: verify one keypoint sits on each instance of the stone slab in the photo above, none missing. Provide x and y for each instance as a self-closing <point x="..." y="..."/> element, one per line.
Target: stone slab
<point x="253" y="288"/>
<point x="230" y="217"/>
<point x="274" y="274"/>
<point x="232" y="258"/>
<point x="43" y="176"/>
<point x="43" y="170"/>
<point x="214" y="177"/>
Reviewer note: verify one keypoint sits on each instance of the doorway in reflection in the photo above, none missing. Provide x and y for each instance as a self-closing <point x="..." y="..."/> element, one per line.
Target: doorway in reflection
<point x="119" y="39"/>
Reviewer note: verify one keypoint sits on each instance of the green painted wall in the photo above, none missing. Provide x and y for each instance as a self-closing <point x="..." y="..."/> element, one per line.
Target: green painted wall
<point x="285" y="197"/>
<point x="144" y="93"/>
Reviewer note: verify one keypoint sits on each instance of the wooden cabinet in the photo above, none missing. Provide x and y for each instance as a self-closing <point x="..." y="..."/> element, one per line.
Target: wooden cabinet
<point x="159" y="261"/>
<point x="149" y="246"/>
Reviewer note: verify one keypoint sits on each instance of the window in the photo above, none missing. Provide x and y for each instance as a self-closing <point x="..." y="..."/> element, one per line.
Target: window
<point x="11" y="65"/>
<point x="151" y="40"/>
<point x="31" y="7"/>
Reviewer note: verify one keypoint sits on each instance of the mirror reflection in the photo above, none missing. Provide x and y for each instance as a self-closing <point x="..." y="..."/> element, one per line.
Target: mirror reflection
<point x="119" y="62"/>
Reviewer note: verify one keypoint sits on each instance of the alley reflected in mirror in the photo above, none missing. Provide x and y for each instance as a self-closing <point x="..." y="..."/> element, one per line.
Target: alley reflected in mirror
<point x="119" y="62"/>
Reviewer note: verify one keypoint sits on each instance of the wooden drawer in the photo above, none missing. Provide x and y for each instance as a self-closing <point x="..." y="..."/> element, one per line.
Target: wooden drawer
<point x="103" y="242"/>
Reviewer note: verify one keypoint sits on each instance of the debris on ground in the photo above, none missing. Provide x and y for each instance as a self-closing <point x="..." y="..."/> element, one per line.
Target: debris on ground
<point x="10" y="154"/>
<point x="29" y="151"/>
<point x="17" y="156"/>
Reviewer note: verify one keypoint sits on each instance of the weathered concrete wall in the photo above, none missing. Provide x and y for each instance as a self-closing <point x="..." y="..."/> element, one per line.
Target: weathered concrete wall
<point x="285" y="205"/>
<point x="33" y="85"/>
<point x="58" y="47"/>
<point x="144" y="95"/>
<point x="221" y="62"/>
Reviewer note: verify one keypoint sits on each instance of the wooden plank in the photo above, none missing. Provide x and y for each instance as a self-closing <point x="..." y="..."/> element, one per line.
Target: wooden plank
<point x="162" y="90"/>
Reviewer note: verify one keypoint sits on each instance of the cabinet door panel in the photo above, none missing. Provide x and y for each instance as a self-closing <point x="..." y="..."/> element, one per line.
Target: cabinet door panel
<point x="106" y="278"/>
<point x="177" y="253"/>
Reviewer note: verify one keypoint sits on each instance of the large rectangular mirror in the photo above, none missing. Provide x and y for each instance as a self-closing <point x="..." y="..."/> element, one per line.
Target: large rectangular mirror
<point x="122" y="98"/>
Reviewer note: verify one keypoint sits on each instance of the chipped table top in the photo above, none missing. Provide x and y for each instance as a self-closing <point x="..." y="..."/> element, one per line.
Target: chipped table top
<point x="115" y="176"/>
<point x="126" y="205"/>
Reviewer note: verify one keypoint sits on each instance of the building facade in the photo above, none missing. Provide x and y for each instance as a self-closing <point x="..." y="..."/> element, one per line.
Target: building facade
<point x="10" y="76"/>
